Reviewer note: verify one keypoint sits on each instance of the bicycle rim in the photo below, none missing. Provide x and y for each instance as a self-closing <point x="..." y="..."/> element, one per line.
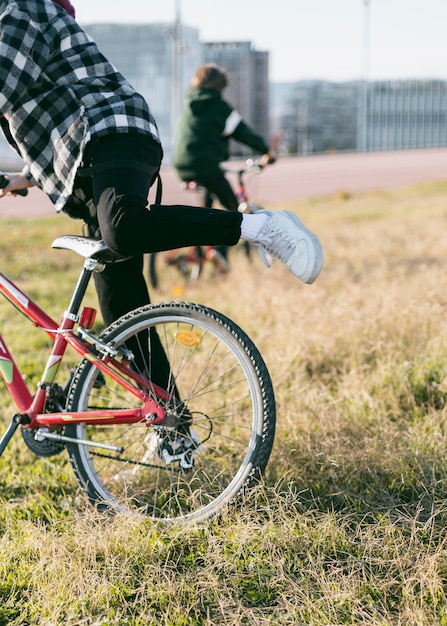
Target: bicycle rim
<point x="220" y="426"/>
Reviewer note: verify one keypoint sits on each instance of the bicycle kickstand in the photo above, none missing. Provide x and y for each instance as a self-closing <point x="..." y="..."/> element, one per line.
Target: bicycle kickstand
<point x="15" y="422"/>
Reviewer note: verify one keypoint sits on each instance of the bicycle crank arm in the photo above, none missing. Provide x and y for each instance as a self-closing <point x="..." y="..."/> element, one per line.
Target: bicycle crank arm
<point x="83" y="442"/>
<point x="15" y="422"/>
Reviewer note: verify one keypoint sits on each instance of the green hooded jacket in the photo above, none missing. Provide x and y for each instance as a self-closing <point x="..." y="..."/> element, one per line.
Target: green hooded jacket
<point x="206" y="124"/>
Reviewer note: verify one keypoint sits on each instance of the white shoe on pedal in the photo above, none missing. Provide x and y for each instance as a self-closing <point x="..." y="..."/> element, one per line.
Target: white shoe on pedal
<point x="285" y="237"/>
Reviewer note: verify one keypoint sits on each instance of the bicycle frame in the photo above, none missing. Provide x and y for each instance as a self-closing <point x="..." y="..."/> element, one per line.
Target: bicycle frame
<point x="31" y="408"/>
<point x="241" y="193"/>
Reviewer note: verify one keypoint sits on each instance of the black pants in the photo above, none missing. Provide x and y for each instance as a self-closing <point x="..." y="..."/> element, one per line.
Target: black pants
<point x="217" y="185"/>
<point x="123" y="168"/>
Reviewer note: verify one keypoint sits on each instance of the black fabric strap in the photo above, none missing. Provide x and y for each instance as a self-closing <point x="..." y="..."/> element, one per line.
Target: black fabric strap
<point x="159" y="191"/>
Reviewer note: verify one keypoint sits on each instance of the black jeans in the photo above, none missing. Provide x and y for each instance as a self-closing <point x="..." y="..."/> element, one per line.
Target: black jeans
<point x="120" y="171"/>
<point x="217" y="185"/>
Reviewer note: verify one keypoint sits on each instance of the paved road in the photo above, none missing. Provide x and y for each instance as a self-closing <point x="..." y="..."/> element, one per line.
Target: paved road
<point x="292" y="178"/>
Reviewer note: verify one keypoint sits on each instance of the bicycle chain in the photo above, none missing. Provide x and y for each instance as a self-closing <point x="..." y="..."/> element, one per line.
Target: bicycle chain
<point x="119" y="458"/>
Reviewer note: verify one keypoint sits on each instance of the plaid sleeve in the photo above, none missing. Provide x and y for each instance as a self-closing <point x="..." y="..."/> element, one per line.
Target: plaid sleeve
<point x="23" y="52"/>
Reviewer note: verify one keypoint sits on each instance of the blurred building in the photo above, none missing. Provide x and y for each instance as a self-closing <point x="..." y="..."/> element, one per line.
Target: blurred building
<point x="406" y="114"/>
<point x="318" y="116"/>
<point x="321" y="116"/>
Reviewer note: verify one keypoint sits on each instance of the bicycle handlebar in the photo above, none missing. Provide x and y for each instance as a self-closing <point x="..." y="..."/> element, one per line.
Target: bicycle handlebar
<point x="251" y="165"/>
<point x="258" y="162"/>
<point x="4" y="182"/>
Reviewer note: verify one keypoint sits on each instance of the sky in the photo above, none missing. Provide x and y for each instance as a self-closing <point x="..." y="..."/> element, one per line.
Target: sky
<point x="333" y="40"/>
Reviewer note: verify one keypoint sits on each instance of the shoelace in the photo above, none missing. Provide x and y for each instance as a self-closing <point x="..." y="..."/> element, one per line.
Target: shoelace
<point x="284" y="248"/>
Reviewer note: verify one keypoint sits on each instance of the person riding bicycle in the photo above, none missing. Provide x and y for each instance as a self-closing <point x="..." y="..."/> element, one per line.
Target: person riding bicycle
<point x="91" y="143"/>
<point x="206" y="125"/>
<point x="202" y="141"/>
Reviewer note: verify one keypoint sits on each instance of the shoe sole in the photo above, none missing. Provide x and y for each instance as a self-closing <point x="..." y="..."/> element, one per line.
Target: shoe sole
<point x="312" y="274"/>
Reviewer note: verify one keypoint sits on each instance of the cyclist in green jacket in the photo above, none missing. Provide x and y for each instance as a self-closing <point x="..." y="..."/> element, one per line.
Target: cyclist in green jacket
<point x="206" y="125"/>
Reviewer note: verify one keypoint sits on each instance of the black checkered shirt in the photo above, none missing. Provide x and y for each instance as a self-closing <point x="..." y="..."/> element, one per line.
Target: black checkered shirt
<point x="58" y="91"/>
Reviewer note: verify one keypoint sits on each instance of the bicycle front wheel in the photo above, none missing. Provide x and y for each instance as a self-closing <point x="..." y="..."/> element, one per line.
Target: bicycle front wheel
<point x="218" y="434"/>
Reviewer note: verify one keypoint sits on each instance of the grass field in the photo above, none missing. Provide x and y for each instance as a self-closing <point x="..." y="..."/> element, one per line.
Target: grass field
<point x="349" y="526"/>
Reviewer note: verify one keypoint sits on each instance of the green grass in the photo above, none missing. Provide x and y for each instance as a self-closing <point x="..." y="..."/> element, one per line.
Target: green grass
<point x="349" y="526"/>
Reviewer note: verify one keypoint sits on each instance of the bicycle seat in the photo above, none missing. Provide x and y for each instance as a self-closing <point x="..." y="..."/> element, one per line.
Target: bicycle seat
<point x="88" y="247"/>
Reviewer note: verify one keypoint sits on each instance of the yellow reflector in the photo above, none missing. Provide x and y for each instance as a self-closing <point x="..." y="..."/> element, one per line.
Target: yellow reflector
<point x="188" y="338"/>
<point x="178" y="290"/>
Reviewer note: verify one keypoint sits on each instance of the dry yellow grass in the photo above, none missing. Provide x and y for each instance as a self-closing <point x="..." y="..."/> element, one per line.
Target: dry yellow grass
<point x="349" y="527"/>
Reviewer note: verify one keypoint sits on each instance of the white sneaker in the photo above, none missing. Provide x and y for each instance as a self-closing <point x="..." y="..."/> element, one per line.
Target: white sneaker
<point x="284" y="236"/>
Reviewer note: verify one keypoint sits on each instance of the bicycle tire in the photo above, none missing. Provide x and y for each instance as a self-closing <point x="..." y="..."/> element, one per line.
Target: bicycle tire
<point x="226" y="391"/>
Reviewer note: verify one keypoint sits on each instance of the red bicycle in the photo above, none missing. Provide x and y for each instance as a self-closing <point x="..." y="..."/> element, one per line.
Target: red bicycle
<point x="188" y="264"/>
<point x="177" y="445"/>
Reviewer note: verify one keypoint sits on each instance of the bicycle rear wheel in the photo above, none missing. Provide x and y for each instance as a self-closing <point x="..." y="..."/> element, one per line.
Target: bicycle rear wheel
<point x="217" y="437"/>
<point x="169" y="270"/>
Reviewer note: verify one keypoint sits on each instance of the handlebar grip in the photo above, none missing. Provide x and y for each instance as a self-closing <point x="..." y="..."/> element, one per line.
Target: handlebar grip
<point x="4" y="182"/>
